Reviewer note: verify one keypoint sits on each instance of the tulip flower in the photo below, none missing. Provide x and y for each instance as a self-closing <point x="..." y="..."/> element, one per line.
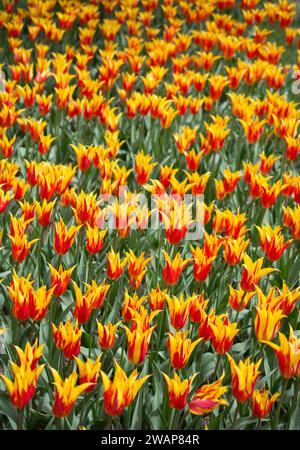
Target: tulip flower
<point x="19" y="188"/>
<point x="19" y="243"/>
<point x="7" y="145"/>
<point x="272" y="241"/>
<point x="5" y="198"/>
<point x="179" y="310"/>
<point x="123" y="217"/>
<point x="270" y="301"/>
<point x="121" y="392"/>
<point x="249" y="170"/>
<point x="233" y="225"/>
<point x="239" y="299"/>
<point x="143" y="167"/>
<point x="262" y="404"/>
<point x="179" y="188"/>
<point x="231" y="180"/>
<point x="83" y="304"/>
<point x="198" y="182"/>
<point x="176" y="219"/>
<point x="234" y="249"/>
<point x="180" y="348"/>
<point x="200" y="81"/>
<point x="83" y="155"/>
<point x="193" y="160"/>
<point x="269" y="194"/>
<point x="267" y="323"/>
<point x="94" y="239"/>
<point x="28" y="210"/>
<point x="235" y="76"/>
<point x="44" y="212"/>
<point x="252" y="273"/>
<point x="244" y="377"/>
<point x="207" y="398"/>
<point x="253" y="129"/>
<point x="131" y="304"/>
<point x="28" y="302"/>
<point x="66" y="393"/>
<point x="185" y="99"/>
<point x="288" y="354"/>
<point x="60" y="279"/>
<point x="97" y="293"/>
<point x="166" y="174"/>
<point x="22" y="388"/>
<point x="212" y="244"/>
<point x="157" y="298"/>
<point x="288" y="299"/>
<point x="185" y="139"/>
<point x="114" y="265"/>
<point x="107" y="334"/>
<point x="178" y="390"/>
<point x="202" y="263"/>
<point x="223" y="334"/>
<point x="64" y="238"/>
<point x="86" y="208"/>
<point x="31" y="354"/>
<point x="217" y="132"/>
<point x="197" y="305"/>
<point x="173" y="268"/>
<point x="292" y="148"/>
<point x="44" y="103"/>
<point x="67" y="337"/>
<point x="136" y="268"/>
<point x="267" y="162"/>
<point x="36" y="128"/>
<point x="205" y="330"/>
<point x="207" y="60"/>
<point x="220" y="189"/>
<point x="142" y="318"/>
<point x="47" y="185"/>
<point x="89" y="372"/>
<point x="217" y="85"/>
<point x="138" y="343"/>
<point x="45" y="142"/>
<point x="291" y="220"/>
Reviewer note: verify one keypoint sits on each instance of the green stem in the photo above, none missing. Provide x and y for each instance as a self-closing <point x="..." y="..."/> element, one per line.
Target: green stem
<point x="276" y="418"/>
<point x="79" y="245"/>
<point x="260" y="353"/>
<point x="217" y="365"/>
<point x="70" y="366"/>
<point x="83" y="409"/>
<point x="52" y="313"/>
<point x="258" y="424"/>
<point x="89" y="268"/>
<point x="294" y="399"/>
<point x="39" y="255"/>
<point x="161" y="321"/>
<point x="91" y="331"/>
<point x="239" y="309"/>
<point x="20" y="424"/>
<point x="171" y="427"/>
<point x="236" y="412"/>
<point x="201" y="351"/>
<point x="185" y="413"/>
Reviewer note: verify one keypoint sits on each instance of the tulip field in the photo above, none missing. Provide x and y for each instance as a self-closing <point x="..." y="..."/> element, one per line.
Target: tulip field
<point x="149" y="215"/>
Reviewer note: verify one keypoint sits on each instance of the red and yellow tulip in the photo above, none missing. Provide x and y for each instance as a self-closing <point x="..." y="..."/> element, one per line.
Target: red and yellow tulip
<point x="178" y="390"/>
<point x="66" y="393"/>
<point x="244" y="376"/>
<point x="121" y="391"/>
<point x="207" y="398"/>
